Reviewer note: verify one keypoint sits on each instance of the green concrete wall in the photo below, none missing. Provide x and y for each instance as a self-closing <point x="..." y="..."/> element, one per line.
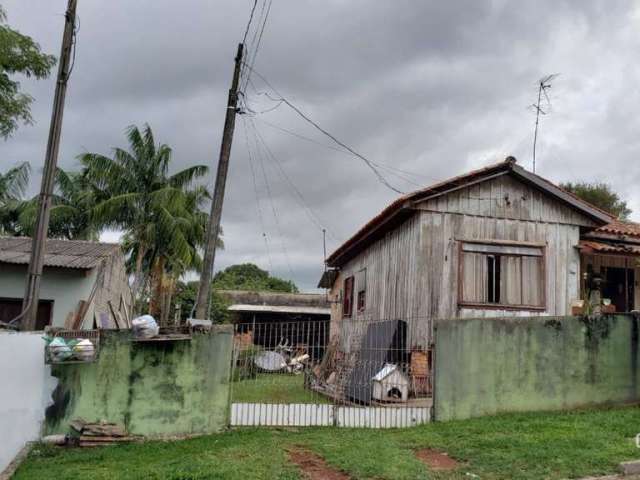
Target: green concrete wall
<point x="490" y="365"/>
<point x="155" y="389"/>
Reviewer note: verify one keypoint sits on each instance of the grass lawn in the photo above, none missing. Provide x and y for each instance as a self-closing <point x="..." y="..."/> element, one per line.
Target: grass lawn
<point x="274" y="388"/>
<point x="521" y="446"/>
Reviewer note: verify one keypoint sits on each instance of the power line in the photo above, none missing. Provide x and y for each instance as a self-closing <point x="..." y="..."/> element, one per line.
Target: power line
<point x="273" y="208"/>
<point x="257" y="45"/>
<point x="325" y="132"/>
<point x="253" y="112"/>
<point x="255" y="190"/>
<point x="315" y="219"/>
<point x="246" y="32"/>
<point x="402" y="174"/>
<point x="255" y="33"/>
<point x="244" y="38"/>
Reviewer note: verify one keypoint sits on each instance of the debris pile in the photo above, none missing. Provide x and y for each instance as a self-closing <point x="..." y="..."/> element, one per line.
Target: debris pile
<point x="85" y="434"/>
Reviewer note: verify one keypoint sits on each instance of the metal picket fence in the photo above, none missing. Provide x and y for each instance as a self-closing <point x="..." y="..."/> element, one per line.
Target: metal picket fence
<point x="374" y="373"/>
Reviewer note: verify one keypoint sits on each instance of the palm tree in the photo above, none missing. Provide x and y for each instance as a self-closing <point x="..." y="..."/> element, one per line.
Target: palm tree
<point x="167" y="269"/>
<point x="70" y="215"/>
<point x="13" y="185"/>
<point x="159" y="213"/>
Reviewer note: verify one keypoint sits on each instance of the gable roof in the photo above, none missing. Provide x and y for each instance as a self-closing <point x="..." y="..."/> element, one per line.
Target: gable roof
<point x="401" y="209"/>
<point x="77" y="254"/>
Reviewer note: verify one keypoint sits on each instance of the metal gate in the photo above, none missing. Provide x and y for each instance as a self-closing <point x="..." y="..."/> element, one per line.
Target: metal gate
<point x="373" y="374"/>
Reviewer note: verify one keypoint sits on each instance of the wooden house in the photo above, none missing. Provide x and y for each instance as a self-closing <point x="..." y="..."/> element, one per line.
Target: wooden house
<point x="499" y="241"/>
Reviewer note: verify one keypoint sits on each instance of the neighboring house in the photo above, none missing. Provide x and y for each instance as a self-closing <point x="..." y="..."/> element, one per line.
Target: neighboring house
<point x="84" y="284"/>
<point x="499" y="241"/>
<point x="264" y="307"/>
<point x="269" y="319"/>
<point x="613" y="253"/>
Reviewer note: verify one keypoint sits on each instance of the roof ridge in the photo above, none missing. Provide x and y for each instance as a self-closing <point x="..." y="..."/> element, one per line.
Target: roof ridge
<point x="93" y="242"/>
<point x="480" y="174"/>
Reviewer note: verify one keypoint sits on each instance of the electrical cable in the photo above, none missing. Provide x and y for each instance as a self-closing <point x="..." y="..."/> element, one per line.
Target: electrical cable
<point x="315" y="219"/>
<point x="255" y="189"/>
<point x="246" y="32"/>
<point x="326" y="133"/>
<point x="257" y="46"/>
<point x="274" y="209"/>
<point x="402" y="174"/>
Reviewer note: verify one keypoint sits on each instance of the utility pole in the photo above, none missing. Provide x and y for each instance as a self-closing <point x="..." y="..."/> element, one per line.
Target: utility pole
<point x="32" y="292"/>
<point x="213" y="229"/>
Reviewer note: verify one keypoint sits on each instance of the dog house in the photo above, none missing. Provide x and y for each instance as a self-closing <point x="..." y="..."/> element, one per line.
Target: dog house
<point x="390" y="385"/>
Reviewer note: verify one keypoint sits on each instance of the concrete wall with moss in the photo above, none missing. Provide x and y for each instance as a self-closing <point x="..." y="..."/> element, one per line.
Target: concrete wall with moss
<point x="156" y="389"/>
<point x="490" y="365"/>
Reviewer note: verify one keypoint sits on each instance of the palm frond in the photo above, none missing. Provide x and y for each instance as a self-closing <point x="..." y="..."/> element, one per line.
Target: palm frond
<point x="101" y="170"/>
<point x="13" y="184"/>
<point x="136" y="142"/>
<point x="115" y="210"/>
<point x="185" y="177"/>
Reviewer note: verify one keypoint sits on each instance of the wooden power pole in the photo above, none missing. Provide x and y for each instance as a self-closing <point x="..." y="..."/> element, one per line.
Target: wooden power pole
<point x="213" y="229"/>
<point x="32" y="292"/>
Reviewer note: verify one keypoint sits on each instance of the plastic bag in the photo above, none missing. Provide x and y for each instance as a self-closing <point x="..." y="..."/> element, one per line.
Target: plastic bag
<point x="84" y="350"/>
<point x="145" y="327"/>
<point x="59" y="351"/>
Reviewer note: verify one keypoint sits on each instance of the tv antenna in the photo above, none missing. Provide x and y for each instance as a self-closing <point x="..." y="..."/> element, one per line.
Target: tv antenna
<point x="544" y="84"/>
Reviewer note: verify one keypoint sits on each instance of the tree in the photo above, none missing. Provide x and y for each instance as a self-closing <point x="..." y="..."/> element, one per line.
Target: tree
<point x="73" y="201"/>
<point x="601" y="195"/>
<point x="13" y="185"/>
<point x="160" y="214"/>
<point x="246" y="276"/>
<point x="19" y="54"/>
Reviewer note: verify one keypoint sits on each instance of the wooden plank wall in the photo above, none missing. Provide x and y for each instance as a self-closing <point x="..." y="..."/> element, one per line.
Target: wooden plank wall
<point x="391" y="280"/>
<point x="412" y="273"/>
<point x="506" y="197"/>
<point x="113" y="288"/>
<point x="441" y="233"/>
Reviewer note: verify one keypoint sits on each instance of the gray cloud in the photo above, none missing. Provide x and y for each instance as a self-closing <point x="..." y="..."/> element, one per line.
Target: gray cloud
<point x="433" y="88"/>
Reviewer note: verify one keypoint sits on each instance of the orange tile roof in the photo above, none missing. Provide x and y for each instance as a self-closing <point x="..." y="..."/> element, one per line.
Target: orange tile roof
<point x="618" y="227"/>
<point x="591" y="246"/>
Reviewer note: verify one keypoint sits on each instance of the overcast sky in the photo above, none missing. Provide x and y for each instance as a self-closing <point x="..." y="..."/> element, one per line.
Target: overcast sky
<point x="428" y="87"/>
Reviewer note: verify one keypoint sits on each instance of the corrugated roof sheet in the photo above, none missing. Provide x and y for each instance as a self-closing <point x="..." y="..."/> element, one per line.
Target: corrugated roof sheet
<point x="246" y="297"/>
<point x="280" y="309"/>
<point x="591" y="246"/>
<point x="58" y="253"/>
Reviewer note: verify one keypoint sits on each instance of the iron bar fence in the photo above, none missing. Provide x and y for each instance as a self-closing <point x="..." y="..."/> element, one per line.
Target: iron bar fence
<point x="368" y="373"/>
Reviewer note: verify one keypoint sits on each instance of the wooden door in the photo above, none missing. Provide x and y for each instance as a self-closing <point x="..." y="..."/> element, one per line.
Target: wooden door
<point x="10" y="308"/>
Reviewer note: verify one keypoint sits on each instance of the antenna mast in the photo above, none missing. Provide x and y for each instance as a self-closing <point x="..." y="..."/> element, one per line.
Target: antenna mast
<point x="324" y="247"/>
<point x="544" y="84"/>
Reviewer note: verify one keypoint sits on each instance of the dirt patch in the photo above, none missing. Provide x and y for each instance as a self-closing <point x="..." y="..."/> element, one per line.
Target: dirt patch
<point x="436" y="460"/>
<point x="314" y="467"/>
